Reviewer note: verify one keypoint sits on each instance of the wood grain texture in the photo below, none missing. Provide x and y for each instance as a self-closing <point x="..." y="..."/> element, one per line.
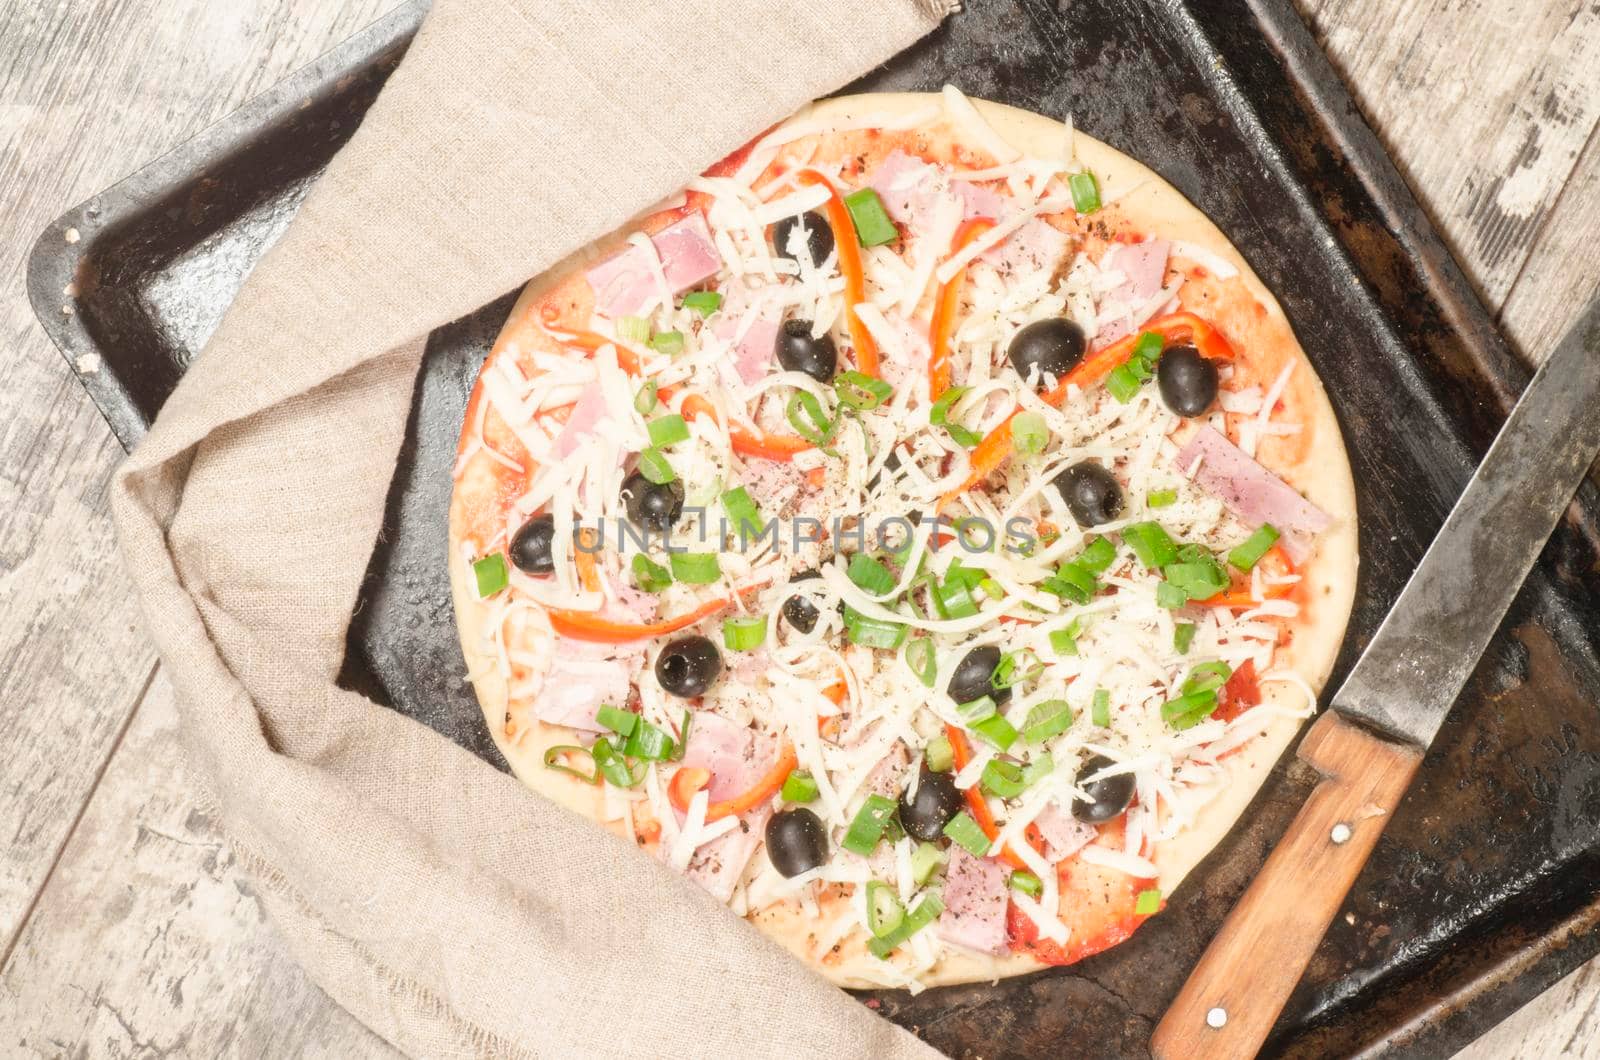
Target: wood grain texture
<point x="1486" y="106"/>
<point x="89" y="91"/>
<point x="149" y="940"/>
<point x="1233" y="997"/>
<point x="134" y="932"/>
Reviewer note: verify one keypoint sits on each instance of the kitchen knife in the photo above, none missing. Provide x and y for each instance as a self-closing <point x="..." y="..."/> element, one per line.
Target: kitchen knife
<point x="1368" y="747"/>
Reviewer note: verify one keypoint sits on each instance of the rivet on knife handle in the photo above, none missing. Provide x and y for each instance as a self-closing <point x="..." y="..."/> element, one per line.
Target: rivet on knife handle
<point x="1235" y="993"/>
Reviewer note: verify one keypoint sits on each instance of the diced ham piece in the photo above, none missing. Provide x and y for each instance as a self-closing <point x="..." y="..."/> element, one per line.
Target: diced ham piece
<point x="1143" y="267"/>
<point x="773" y="485"/>
<point x="735" y="756"/>
<point x="1252" y="492"/>
<point x="717" y="865"/>
<point x="906" y="186"/>
<point x="888" y="776"/>
<point x="577" y="686"/>
<point x="750" y="666"/>
<point x="974" y="903"/>
<point x="633" y="605"/>
<point x="1037" y="245"/>
<point x="1064" y="835"/>
<point x="625" y="283"/>
<point x="589" y="409"/>
<point x="755" y="351"/>
<point x="978" y="201"/>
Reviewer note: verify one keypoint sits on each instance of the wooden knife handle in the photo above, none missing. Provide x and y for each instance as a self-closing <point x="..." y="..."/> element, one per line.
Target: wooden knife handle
<point x="1234" y="995"/>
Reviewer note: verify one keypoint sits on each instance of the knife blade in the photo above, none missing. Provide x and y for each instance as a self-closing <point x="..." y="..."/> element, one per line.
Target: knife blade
<point x="1387" y="712"/>
<point x="1406" y="681"/>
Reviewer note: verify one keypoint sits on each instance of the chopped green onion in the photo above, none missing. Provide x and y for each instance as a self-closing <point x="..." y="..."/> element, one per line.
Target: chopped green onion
<point x="1085" y="192"/>
<point x="1161" y="498"/>
<point x="873" y="227"/>
<point x="1100" y="708"/>
<point x="1064" y="641"/>
<point x="805" y="415"/>
<point x="867" y="828"/>
<point x="860" y="391"/>
<point x="633" y="329"/>
<point x="976" y="709"/>
<point x="925" y="860"/>
<point x="964" y="831"/>
<point x="872" y="632"/>
<point x="965" y="437"/>
<point x="923" y="660"/>
<point x="1207" y="677"/>
<point x="799" y="787"/>
<point x="621" y="722"/>
<point x="644" y="402"/>
<point x="668" y="430"/>
<point x="746" y="633"/>
<point x="695" y="568"/>
<point x="741" y="508"/>
<point x="1122" y="383"/>
<point x="939" y="413"/>
<point x="1182" y="637"/>
<point x="926" y="912"/>
<point x="1189" y="709"/>
<point x="1097" y="555"/>
<point x="1152" y="546"/>
<point x="667" y="342"/>
<point x="971" y="577"/>
<point x="651" y="576"/>
<point x="1002" y="779"/>
<point x="490" y="575"/>
<point x="1147" y="348"/>
<point x="954" y="599"/>
<point x="1042" y="766"/>
<point x="1199" y="578"/>
<point x="1029" y="433"/>
<point x="1026" y="882"/>
<point x="997" y="731"/>
<point x="939" y="755"/>
<point x="884" y="911"/>
<point x="615" y="767"/>
<point x="1170" y="596"/>
<point x="1148" y="902"/>
<point x="1258" y="544"/>
<point x="703" y="302"/>
<point x="649" y="742"/>
<point x="653" y="466"/>
<point x="1072" y="582"/>
<point x="556" y="758"/>
<point x="1050" y="718"/>
<point x="1016" y="667"/>
<point x="683" y="735"/>
<point x="869" y="575"/>
<point x="992" y="589"/>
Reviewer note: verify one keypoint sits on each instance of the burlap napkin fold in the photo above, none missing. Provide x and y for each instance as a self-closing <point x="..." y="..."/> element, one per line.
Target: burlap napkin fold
<point x="449" y="908"/>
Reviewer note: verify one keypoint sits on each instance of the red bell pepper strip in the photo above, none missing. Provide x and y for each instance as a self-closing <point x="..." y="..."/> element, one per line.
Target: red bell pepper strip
<point x="855" y="280"/>
<point x="584" y="625"/>
<point x="766" y="446"/>
<point x="680" y="792"/>
<point x="1240" y="596"/>
<point x="943" y="324"/>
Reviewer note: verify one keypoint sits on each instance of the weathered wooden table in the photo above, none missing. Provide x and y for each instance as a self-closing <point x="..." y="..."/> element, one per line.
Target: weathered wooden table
<point x="125" y="927"/>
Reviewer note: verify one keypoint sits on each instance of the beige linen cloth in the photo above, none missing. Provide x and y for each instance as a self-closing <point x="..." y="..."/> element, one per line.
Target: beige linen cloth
<point x="449" y="908"/>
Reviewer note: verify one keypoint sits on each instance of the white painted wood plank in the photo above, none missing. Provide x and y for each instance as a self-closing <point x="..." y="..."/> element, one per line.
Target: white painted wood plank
<point x="1563" y="1022"/>
<point x="89" y="90"/>
<point x="1485" y="104"/>
<point x="149" y="940"/>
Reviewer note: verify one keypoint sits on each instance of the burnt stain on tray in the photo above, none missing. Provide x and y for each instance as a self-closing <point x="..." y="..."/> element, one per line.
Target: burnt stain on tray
<point x="1486" y="884"/>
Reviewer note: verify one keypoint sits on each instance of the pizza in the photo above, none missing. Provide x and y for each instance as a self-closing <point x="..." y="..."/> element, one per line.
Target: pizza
<point x="924" y="533"/>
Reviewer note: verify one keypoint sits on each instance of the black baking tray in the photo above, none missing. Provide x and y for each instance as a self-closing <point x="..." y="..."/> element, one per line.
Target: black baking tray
<point x="1486" y="886"/>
